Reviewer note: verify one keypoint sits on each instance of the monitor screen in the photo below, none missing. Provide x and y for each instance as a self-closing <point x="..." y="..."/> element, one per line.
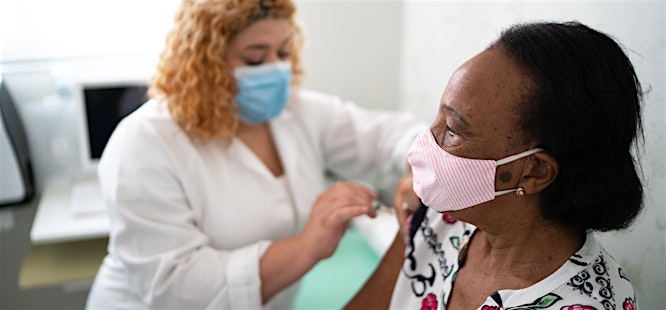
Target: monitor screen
<point x="105" y="107"/>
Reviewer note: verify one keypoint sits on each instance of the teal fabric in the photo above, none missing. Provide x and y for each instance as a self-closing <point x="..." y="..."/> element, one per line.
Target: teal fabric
<point x="334" y="281"/>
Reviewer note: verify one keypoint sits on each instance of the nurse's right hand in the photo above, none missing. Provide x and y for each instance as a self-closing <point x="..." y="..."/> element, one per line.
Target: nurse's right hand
<point x="330" y="217"/>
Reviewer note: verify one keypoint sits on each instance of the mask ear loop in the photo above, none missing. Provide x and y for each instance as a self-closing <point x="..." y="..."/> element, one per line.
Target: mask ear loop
<point x="519" y="191"/>
<point x="500" y="193"/>
<point x="518" y="156"/>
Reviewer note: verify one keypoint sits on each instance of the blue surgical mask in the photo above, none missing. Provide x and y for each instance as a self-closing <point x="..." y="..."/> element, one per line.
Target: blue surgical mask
<point x="263" y="91"/>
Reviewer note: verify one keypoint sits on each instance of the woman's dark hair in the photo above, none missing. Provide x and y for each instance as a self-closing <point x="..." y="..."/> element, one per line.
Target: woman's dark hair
<point x="584" y="110"/>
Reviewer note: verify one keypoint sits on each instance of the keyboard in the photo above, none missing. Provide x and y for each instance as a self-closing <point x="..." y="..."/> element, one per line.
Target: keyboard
<point x="86" y="197"/>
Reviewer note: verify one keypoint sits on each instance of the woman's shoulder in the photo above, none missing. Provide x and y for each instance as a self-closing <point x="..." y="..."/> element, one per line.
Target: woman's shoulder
<point x="310" y="95"/>
<point x="321" y="107"/>
<point x="318" y="98"/>
<point x="599" y="280"/>
<point x="312" y="109"/>
<point x="590" y="279"/>
<point x="151" y="118"/>
<point x="152" y="111"/>
<point x="149" y="128"/>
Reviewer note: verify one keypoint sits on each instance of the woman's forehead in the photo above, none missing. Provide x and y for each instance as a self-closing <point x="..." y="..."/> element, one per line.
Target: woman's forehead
<point x="487" y="88"/>
<point x="266" y="31"/>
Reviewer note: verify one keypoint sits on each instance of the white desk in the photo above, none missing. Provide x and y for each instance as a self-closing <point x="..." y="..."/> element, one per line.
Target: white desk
<point x="54" y="222"/>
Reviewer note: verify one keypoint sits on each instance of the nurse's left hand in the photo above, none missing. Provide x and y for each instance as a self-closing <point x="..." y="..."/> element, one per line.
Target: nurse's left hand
<point x="330" y="217"/>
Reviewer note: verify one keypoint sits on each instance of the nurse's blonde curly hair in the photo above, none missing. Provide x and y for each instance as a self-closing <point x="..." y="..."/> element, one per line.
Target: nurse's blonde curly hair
<point x="192" y="76"/>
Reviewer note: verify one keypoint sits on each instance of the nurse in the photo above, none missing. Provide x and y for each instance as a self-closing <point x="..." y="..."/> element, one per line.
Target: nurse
<point x="217" y="187"/>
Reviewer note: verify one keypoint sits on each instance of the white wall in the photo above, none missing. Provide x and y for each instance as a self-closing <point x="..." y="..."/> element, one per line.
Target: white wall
<point x="42" y="29"/>
<point x="441" y="35"/>
<point x="39" y="38"/>
<point x="344" y="54"/>
<point x="65" y="29"/>
<point x="353" y="49"/>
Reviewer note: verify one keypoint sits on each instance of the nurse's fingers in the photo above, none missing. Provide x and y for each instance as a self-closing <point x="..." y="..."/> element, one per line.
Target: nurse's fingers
<point x="348" y="193"/>
<point x="340" y="217"/>
<point x="362" y="195"/>
<point x="358" y="188"/>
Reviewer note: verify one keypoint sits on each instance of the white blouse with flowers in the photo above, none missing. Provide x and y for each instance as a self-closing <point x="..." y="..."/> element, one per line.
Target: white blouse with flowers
<point x="589" y="280"/>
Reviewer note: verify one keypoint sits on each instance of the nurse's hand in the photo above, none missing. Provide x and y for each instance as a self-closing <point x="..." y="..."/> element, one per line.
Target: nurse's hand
<point x="405" y="203"/>
<point x="330" y="217"/>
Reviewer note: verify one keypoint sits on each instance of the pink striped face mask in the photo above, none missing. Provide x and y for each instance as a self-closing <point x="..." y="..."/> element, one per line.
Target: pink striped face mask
<point x="445" y="182"/>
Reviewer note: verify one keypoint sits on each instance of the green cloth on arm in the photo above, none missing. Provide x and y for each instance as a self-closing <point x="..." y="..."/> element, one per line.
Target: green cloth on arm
<point x="334" y="281"/>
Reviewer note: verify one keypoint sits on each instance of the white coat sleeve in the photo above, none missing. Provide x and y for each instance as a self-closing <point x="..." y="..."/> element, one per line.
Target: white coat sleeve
<point x="365" y="145"/>
<point x="154" y="229"/>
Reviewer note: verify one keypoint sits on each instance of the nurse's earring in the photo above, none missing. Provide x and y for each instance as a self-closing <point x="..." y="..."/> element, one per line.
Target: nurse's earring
<point x="520" y="191"/>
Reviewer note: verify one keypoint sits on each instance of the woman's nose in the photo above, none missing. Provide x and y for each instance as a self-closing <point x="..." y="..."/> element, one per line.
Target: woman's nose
<point x="272" y="57"/>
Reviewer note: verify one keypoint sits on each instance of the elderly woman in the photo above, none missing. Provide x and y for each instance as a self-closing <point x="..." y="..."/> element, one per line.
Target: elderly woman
<point x="529" y="154"/>
<point x="217" y="187"/>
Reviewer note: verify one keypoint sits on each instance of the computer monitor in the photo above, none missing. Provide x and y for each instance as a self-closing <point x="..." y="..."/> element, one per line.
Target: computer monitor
<point x="103" y="104"/>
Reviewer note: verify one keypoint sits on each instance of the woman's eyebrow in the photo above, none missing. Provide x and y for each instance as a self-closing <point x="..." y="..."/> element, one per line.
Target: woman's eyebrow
<point x="455" y="114"/>
<point x="263" y="46"/>
<point x="286" y="41"/>
<point x="259" y="46"/>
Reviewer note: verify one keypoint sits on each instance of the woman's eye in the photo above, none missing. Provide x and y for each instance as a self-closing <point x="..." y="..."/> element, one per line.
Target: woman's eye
<point x="449" y="134"/>
<point x="253" y="63"/>
<point x="284" y="55"/>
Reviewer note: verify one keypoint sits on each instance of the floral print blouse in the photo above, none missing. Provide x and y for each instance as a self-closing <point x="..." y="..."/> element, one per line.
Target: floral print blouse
<point x="590" y="279"/>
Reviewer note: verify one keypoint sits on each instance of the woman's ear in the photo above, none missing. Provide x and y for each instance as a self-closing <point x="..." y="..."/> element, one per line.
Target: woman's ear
<point x="541" y="169"/>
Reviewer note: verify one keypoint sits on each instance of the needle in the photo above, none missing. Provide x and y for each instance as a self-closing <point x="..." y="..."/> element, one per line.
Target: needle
<point x="376" y="205"/>
<point x="380" y="206"/>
